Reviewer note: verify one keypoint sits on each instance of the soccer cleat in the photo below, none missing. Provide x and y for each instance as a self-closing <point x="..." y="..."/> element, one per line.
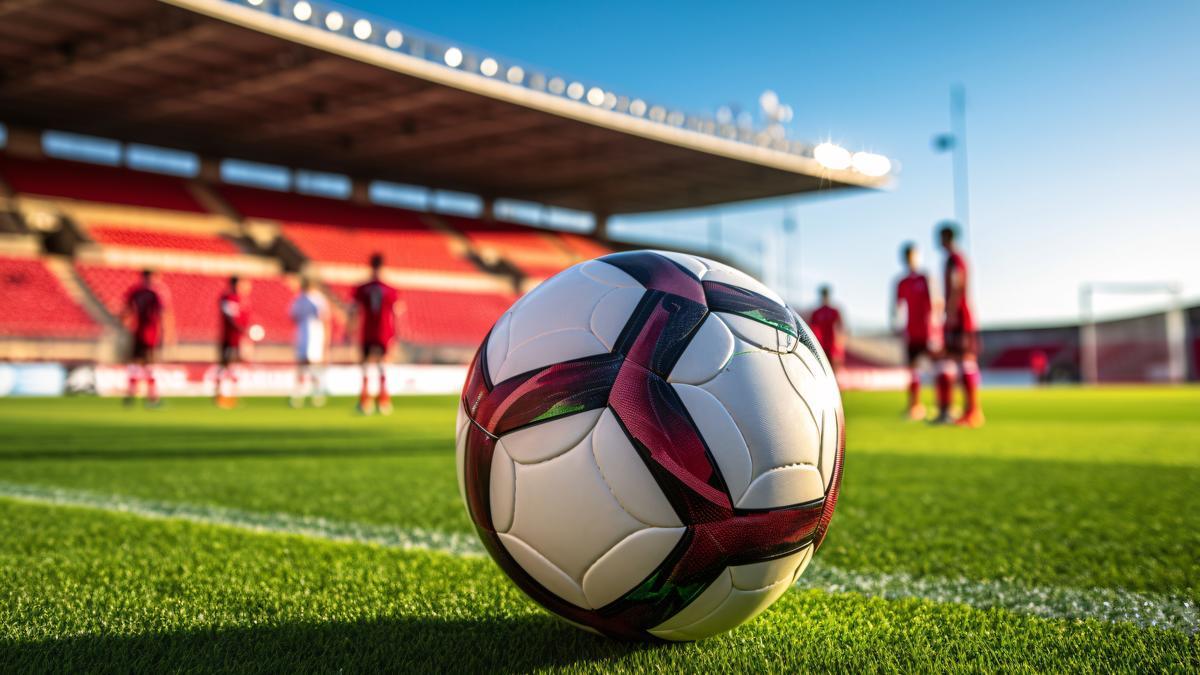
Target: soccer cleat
<point x="385" y="406"/>
<point x="154" y="404"/>
<point x="916" y="412"/>
<point x="365" y="408"/>
<point x="296" y="402"/>
<point x="973" y="420"/>
<point x="226" y="402"/>
<point x="942" y="418"/>
<point x="128" y="401"/>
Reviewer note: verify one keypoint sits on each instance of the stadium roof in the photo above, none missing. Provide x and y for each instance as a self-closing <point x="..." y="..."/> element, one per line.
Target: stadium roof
<point x="250" y="80"/>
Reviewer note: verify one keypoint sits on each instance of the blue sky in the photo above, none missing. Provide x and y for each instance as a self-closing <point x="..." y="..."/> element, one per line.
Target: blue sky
<point x="1082" y="124"/>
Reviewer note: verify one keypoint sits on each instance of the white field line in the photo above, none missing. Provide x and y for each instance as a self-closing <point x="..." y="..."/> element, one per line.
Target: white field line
<point x="1104" y="604"/>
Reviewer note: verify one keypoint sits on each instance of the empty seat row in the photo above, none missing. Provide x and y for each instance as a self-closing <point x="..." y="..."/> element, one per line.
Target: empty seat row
<point x="35" y="304"/>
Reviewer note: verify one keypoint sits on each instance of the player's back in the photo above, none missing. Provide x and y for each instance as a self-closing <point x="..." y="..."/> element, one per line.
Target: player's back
<point x="377" y="302"/>
<point x="913" y="291"/>
<point x="233" y="316"/>
<point x="824" y="322"/>
<point x="956" y="266"/>
<point x="146" y="306"/>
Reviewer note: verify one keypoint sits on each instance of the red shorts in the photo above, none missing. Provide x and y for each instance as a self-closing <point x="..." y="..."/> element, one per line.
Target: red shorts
<point x="375" y="348"/>
<point x="916" y="348"/>
<point x="142" y="350"/>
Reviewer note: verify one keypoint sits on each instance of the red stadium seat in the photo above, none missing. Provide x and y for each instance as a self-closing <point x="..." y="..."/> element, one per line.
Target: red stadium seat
<point x="96" y="183"/>
<point x="532" y="251"/>
<point x="584" y="247"/>
<point x="193" y="301"/>
<point x="34" y="304"/>
<point x="443" y="317"/>
<point x="115" y="235"/>
<point x="331" y="230"/>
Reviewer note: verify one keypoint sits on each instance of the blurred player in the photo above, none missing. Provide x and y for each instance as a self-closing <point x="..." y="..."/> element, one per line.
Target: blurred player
<point x="960" y="341"/>
<point x="310" y="313"/>
<point x="234" y="318"/>
<point x="145" y="313"/>
<point x="377" y="302"/>
<point x="826" y="324"/>
<point x="912" y="292"/>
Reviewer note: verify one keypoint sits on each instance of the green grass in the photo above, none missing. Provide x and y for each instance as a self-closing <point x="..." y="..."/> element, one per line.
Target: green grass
<point x="1063" y="488"/>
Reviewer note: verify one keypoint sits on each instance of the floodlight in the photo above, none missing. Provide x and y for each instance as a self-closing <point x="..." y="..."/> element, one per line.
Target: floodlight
<point x="302" y="11"/>
<point x="489" y="67"/>
<point x="610" y="100"/>
<point x="453" y="57"/>
<point x="871" y="164"/>
<point x="832" y="156"/>
<point x="362" y="29"/>
<point x="516" y="75"/>
<point x="575" y="90"/>
<point x="637" y="108"/>
<point x="556" y="85"/>
<point x="595" y="96"/>
<point x="255" y="3"/>
<point x="334" y="20"/>
<point x="394" y="39"/>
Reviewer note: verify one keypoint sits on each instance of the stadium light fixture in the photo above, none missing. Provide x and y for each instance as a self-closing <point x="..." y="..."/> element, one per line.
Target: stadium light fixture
<point x="394" y="39"/>
<point x="556" y="85"/>
<point x="489" y="67"/>
<point x="832" y="156"/>
<point x="595" y="96"/>
<point x="255" y="3"/>
<point x="453" y="57"/>
<point x="676" y="118"/>
<point x="516" y="75"/>
<point x="610" y="100"/>
<point x="302" y="11"/>
<point x="871" y="164"/>
<point x="637" y="108"/>
<point x="575" y="91"/>
<point x="658" y="113"/>
<point x="334" y="21"/>
<point x="362" y="29"/>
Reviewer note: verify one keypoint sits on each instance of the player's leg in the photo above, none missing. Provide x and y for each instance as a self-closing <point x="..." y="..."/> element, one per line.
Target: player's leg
<point x="316" y="375"/>
<point x="364" y="396"/>
<point x="383" y="400"/>
<point x="302" y="380"/>
<point x="152" y="400"/>
<point x="944" y="384"/>
<point x="969" y="369"/>
<point x="133" y="370"/>
<point x="916" y="411"/>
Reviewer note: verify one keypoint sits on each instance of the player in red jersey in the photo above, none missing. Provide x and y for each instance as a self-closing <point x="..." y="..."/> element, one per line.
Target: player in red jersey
<point x="960" y="341"/>
<point x="378" y="303"/>
<point x="826" y="324"/>
<point x="234" y="318"/>
<point x="146" y="314"/>
<point x="913" y="293"/>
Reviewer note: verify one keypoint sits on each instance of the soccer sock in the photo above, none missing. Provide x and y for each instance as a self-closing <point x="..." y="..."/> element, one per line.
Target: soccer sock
<point x="132" y="371"/>
<point x="383" y="392"/>
<point x="970" y="384"/>
<point x="366" y="385"/>
<point x="151" y="388"/>
<point x="945" y="388"/>
<point x="914" y="388"/>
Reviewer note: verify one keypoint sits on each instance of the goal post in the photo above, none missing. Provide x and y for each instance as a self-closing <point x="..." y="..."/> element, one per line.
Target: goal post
<point x="1146" y="347"/>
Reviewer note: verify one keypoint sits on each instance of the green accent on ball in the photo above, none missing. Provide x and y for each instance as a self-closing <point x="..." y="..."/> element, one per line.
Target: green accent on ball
<point x="559" y="409"/>
<point x="759" y="316"/>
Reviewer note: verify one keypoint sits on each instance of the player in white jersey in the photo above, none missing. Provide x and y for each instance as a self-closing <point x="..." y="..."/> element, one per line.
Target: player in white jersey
<point x="310" y="313"/>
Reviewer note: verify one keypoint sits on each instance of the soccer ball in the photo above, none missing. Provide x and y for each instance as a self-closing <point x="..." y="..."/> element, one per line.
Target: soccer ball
<point x="650" y="445"/>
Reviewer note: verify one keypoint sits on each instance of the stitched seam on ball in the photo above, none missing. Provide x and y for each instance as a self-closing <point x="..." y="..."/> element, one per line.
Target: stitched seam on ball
<point x="599" y="470"/>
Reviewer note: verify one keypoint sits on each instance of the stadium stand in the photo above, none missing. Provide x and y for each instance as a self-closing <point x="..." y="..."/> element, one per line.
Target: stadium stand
<point x="115" y="235"/>
<point x="441" y="318"/>
<point x="64" y="179"/>
<point x="193" y="299"/>
<point x="336" y="231"/>
<point x="535" y="253"/>
<point x="34" y="304"/>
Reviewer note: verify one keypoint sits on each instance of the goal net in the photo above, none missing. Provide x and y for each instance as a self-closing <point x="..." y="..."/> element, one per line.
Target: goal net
<point x="1117" y="345"/>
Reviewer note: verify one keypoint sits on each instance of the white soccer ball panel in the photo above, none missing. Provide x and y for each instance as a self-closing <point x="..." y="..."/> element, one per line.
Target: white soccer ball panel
<point x="721" y="435"/>
<point x="722" y="273"/>
<point x="545" y="572"/>
<point x="783" y="485"/>
<point x="542" y="441"/>
<point x="729" y="604"/>
<point x="691" y="263"/>
<point x="776" y="422"/>
<point x="611" y="313"/>
<point x="821" y="393"/>
<point x="502" y="489"/>
<point x="627" y="563"/>
<point x="626" y="475"/>
<point x="757" y="333"/>
<point x="710" y="349"/>
<point x="553" y="322"/>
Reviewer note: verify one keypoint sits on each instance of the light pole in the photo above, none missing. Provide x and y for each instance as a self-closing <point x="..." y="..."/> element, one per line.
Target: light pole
<point x="955" y="142"/>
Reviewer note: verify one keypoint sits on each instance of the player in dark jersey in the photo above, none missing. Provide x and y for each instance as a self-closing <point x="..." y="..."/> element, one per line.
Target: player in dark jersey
<point x="826" y="324"/>
<point x="378" y="304"/>
<point x="959" y="337"/>
<point x="234" y="320"/>
<point x="146" y="314"/>
<point x="913" y="294"/>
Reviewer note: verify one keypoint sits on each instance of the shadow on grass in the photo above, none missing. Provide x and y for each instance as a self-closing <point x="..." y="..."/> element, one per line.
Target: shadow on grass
<point x="423" y="645"/>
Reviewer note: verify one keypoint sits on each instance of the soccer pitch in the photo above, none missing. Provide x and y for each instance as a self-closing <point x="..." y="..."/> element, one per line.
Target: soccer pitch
<point x="1061" y="536"/>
